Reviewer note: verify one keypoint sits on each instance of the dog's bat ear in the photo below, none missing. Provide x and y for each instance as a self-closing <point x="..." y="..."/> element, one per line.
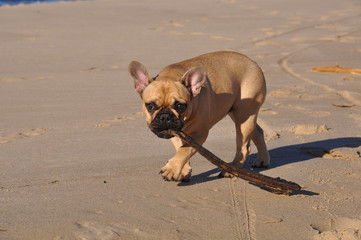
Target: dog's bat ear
<point x="140" y="76"/>
<point x="194" y="80"/>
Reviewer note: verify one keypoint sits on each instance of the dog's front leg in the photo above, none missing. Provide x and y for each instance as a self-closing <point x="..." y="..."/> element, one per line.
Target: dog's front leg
<point x="178" y="167"/>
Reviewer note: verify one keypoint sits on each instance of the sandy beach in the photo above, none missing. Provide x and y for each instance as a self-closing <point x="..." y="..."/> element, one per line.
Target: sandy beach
<point x="78" y="161"/>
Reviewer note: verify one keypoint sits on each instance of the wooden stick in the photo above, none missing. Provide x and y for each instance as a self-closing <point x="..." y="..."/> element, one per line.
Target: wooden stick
<point x="274" y="185"/>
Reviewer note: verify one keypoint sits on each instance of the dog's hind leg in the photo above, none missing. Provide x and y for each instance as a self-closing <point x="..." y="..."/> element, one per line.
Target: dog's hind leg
<point x="245" y="125"/>
<point x="244" y="115"/>
<point x="263" y="159"/>
<point x="244" y="131"/>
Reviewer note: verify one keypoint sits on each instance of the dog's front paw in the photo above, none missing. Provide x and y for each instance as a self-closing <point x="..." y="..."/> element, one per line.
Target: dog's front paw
<point x="170" y="171"/>
<point x="174" y="172"/>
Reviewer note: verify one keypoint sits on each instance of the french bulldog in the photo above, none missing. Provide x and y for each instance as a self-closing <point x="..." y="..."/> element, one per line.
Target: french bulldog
<point x="193" y="95"/>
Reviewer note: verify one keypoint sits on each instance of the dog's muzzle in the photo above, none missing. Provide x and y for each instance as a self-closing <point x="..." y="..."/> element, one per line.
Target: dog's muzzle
<point x="164" y="122"/>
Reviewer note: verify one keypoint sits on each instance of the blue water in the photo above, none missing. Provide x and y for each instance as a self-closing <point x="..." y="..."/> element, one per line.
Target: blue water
<point x="14" y="2"/>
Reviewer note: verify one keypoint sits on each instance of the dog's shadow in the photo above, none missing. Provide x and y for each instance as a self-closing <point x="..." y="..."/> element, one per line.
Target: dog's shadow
<point x="286" y="155"/>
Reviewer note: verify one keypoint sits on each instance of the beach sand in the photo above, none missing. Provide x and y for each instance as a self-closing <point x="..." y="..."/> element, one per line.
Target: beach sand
<point x="78" y="161"/>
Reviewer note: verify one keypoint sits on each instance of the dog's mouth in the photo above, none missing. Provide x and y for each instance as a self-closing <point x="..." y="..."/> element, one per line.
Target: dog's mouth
<point x="166" y="134"/>
<point x="165" y="123"/>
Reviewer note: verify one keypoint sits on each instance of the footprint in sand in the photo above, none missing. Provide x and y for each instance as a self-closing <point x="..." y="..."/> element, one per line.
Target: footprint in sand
<point x="281" y="93"/>
<point x="339" y="229"/>
<point x="213" y="37"/>
<point x="102" y="68"/>
<point x="25" y="79"/>
<point x="94" y="230"/>
<point x="308" y="129"/>
<point x="32" y="133"/>
<point x="352" y="153"/>
<point x="176" y="24"/>
<point x="107" y="123"/>
<point x="269" y="32"/>
<point x="268" y="111"/>
<point x="172" y="24"/>
<point x="215" y="18"/>
<point x="265" y="43"/>
<point x="291" y="91"/>
<point x="248" y="7"/>
<point x="356" y="118"/>
<point x="4" y="140"/>
<point x="102" y="125"/>
<point x="318" y="113"/>
<point x="346" y="153"/>
<point x="89" y="230"/>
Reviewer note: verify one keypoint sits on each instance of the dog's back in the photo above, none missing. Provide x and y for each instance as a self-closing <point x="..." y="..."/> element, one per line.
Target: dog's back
<point x="227" y="72"/>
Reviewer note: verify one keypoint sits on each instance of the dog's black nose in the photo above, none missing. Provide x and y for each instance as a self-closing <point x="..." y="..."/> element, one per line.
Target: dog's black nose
<point x="165" y="118"/>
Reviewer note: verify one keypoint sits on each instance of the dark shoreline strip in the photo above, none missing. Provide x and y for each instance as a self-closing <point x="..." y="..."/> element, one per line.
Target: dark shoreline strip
<point x="16" y="2"/>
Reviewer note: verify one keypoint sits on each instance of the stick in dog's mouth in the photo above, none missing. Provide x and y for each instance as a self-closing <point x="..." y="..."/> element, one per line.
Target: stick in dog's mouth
<point x="274" y="185"/>
<point x="168" y="131"/>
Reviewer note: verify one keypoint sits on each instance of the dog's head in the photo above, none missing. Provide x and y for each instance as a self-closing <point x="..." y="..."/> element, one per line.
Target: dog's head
<point x="166" y="101"/>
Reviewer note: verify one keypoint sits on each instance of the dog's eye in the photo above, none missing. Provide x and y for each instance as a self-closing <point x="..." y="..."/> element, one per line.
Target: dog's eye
<point x="151" y="106"/>
<point x="180" y="107"/>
